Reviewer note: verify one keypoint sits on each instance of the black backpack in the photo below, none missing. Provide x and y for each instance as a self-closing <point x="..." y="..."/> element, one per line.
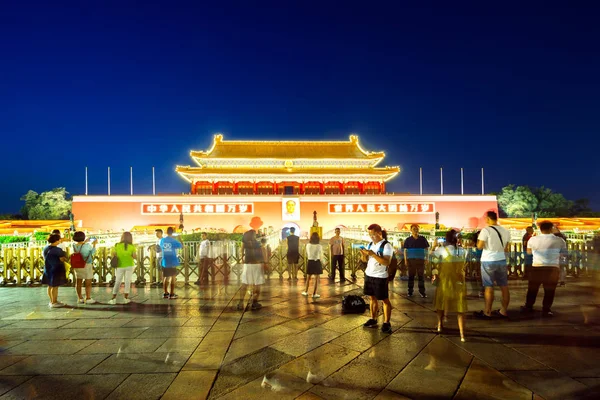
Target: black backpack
<point x="393" y="267"/>
<point x="353" y="304"/>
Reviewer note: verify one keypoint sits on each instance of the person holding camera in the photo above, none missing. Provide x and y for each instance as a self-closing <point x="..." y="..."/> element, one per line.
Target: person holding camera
<point x="449" y="279"/>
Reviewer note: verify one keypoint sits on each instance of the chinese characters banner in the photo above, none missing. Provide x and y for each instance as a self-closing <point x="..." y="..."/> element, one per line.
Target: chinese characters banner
<point x="208" y="208"/>
<point x="381" y="208"/>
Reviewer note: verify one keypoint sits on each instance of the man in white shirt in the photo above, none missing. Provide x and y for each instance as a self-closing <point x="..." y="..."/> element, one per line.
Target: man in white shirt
<point x="547" y="250"/>
<point x="203" y="259"/>
<point x="494" y="240"/>
<point x="378" y="257"/>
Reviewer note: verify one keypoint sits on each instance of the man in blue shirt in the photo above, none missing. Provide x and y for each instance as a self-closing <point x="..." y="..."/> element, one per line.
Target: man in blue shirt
<point x="170" y="262"/>
<point x="415" y="250"/>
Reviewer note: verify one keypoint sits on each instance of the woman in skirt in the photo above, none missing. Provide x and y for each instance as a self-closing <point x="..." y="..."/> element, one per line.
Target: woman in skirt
<point x="55" y="273"/>
<point x="314" y="253"/>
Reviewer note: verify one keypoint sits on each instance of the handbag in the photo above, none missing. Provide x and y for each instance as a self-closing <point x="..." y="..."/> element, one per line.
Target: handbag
<point x="114" y="261"/>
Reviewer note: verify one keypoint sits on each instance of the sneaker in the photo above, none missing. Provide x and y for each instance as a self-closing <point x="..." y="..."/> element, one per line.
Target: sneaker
<point x="126" y="301"/>
<point x="112" y="301"/>
<point x="304" y="294"/>
<point x="462" y="339"/>
<point x="256" y="306"/>
<point x="372" y="323"/>
<point x="90" y="301"/>
<point x="423" y="295"/>
<point x="173" y="296"/>
<point x="547" y="314"/>
<point x="80" y="301"/>
<point x="386" y="327"/>
<point x="316" y="296"/>
<point x="166" y="296"/>
<point x="409" y="294"/>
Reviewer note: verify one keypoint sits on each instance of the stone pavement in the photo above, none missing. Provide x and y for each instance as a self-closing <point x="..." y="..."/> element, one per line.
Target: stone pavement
<point x="200" y="347"/>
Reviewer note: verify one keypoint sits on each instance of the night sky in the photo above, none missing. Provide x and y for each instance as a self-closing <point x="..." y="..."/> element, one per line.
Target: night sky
<point x="514" y="90"/>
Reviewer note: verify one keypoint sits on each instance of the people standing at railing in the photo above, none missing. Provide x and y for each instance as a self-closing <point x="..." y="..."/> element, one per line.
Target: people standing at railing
<point x="293" y="254"/>
<point x="126" y="254"/>
<point x="63" y="243"/>
<point x="547" y="250"/>
<point x="337" y="250"/>
<point x="55" y="273"/>
<point x="252" y="271"/>
<point x="202" y="257"/>
<point x="314" y="266"/>
<point x="563" y="258"/>
<point x="87" y="250"/>
<point x="527" y="258"/>
<point x="494" y="240"/>
<point x="449" y="279"/>
<point x="170" y="261"/>
<point x="378" y="256"/>
<point x="415" y="254"/>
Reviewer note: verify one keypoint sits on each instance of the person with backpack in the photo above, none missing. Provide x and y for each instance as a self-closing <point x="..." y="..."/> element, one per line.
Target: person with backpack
<point x="126" y="254"/>
<point x="494" y="240"/>
<point x="84" y="252"/>
<point x="449" y="279"/>
<point x="378" y="256"/>
<point x="55" y="273"/>
<point x="314" y="267"/>
<point x="415" y="253"/>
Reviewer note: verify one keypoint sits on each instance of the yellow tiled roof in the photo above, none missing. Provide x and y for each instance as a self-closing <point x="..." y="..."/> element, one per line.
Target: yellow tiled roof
<point x="200" y="171"/>
<point x="287" y="149"/>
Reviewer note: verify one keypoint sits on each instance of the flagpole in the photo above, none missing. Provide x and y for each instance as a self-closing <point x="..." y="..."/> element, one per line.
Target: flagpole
<point x="441" y="181"/>
<point x="482" y="183"/>
<point x="86" y="182"/>
<point x="421" y="181"/>
<point x="462" y="182"/>
<point x="153" y="183"/>
<point x="109" y="181"/>
<point x="131" y="180"/>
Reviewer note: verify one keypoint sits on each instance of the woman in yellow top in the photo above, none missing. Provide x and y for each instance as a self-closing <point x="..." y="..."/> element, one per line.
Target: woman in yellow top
<point x="125" y="252"/>
<point x="451" y="292"/>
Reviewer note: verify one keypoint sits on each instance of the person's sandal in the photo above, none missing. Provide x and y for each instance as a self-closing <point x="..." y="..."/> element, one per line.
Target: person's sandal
<point x="497" y="313"/>
<point x="481" y="315"/>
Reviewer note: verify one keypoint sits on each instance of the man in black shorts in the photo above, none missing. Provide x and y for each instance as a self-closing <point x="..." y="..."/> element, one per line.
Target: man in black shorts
<point x="377" y="256"/>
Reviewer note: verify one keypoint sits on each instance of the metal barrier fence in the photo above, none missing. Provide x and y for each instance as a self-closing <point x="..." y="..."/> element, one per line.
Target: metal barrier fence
<point x="24" y="266"/>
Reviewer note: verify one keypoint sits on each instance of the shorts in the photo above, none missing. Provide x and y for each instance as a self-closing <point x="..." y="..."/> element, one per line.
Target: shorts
<point x="84" y="273"/>
<point x="171" y="271"/>
<point x="252" y="274"/>
<point x="293" y="258"/>
<point x="377" y="287"/>
<point x="494" y="271"/>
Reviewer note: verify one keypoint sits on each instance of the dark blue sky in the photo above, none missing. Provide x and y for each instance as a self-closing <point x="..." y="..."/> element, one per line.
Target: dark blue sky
<point x="514" y="90"/>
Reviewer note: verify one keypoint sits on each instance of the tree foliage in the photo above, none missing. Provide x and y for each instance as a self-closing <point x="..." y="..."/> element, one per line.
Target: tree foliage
<point x="524" y="201"/>
<point x="54" y="204"/>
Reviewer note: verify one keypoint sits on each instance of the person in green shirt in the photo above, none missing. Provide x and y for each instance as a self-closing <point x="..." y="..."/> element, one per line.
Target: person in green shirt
<point x="125" y="252"/>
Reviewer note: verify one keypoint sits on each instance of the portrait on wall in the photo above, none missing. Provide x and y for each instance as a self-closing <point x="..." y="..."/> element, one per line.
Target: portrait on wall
<point x="290" y="209"/>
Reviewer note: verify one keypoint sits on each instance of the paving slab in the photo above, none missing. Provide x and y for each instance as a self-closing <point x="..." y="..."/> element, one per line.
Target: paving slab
<point x="307" y="321"/>
<point x="117" y="346"/>
<point x="141" y="363"/>
<point x="54" y="364"/>
<point x="435" y="373"/>
<point x="112" y="333"/>
<point x="9" y="382"/>
<point x="67" y="387"/>
<point x="143" y="386"/>
<point x="9" y="359"/>
<point x="179" y="345"/>
<point x="303" y="342"/>
<point x="191" y="385"/>
<point x="256" y="341"/>
<point x="483" y="382"/>
<point x="210" y="352"/>
<point x="361" y="338"/>
<point x="561" y="387"/>
<point x="570" y="360"/>
<point x="398" y="349"/>
<point x="178" y="331"/>
<point x="258" y="324"/>
<point x="57" y="347"/>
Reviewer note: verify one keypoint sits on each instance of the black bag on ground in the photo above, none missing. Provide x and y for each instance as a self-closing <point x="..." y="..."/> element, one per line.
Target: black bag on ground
<point x="353" y="304"/>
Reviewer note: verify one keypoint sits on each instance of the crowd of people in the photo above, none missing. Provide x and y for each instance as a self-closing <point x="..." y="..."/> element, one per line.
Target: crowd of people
<point x="545" y="254"/>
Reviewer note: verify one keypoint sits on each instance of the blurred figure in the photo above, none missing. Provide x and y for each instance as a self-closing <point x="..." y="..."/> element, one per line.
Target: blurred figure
<point x="126" y="253"/>
<point x="415" y="253"/>
<point x="451" y="291"/>
<point x="266" y="256"/>
<point x="547" y="250"/>
<point x="252" y="272"/>
<point x="55" y="273"/>
<point x="494" y="240"/>
<point x="563" y="258"/>
<point x="86" y="274"/>
<point x="337" y="251"/>
<point x="203" y="260"/>
<point x="159" y="235"/>
<point x="528" y="259"/>
<point x="314" y="254"/>
<point x="293" y="254"/>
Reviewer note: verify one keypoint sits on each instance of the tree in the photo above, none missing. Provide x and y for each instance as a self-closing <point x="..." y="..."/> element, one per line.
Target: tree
<point x="524" y="201"/>
<point x="54" y="204"/>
